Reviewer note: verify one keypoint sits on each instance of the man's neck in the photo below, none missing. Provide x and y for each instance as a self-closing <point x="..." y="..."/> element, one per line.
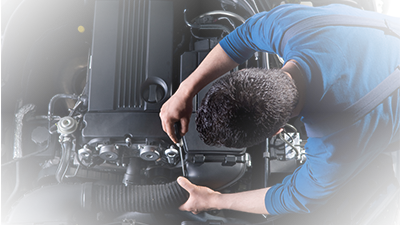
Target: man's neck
<point x="292" y="69"/>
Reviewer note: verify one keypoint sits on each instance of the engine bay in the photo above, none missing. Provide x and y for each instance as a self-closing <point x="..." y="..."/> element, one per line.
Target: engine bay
<point x="83" y="82"/>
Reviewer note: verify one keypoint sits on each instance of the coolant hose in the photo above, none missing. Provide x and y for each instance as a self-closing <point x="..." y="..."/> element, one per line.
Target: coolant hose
<point x="136" y="198"/>
<point x="58" y="202"/>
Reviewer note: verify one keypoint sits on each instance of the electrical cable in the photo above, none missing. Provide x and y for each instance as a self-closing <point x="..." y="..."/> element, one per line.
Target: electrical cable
<point x="17" y="182"/>
<point x="28" y="155"/>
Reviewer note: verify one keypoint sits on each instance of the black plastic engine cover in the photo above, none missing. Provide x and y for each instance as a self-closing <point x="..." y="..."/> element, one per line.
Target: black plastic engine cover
<point x="130" y="70"/>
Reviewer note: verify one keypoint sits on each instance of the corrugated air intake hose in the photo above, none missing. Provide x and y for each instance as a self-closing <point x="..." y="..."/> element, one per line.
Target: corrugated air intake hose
<point x="137" y="198"/>
<point x="58" y="202"/>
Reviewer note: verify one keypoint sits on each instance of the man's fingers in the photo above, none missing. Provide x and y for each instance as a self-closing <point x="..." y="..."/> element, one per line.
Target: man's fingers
<point x="183" y="182"/>
<point x="186" y="184"/>
<point x="164" y="126"/>
<point x="184" y="126"/>
<point x="167" y="124"/>
<point x="194" y="203"/>
<point x="182" y="208"/>
<point x="170" y="130"/>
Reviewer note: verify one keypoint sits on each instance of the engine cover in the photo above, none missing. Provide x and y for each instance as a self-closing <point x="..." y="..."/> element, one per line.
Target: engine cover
<point x="129" y="38"/>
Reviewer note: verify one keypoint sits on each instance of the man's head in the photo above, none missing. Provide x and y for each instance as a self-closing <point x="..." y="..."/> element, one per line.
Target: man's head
<point x="246" y="107"/>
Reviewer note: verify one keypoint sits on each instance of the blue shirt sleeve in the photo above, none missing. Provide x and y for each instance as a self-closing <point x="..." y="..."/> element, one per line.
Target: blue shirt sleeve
<point x="253" y="35"/>
<point x="262" y="32"/>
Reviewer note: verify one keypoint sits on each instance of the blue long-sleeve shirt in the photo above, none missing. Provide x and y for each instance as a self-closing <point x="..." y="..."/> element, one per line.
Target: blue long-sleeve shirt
<point x="340" y="64"/>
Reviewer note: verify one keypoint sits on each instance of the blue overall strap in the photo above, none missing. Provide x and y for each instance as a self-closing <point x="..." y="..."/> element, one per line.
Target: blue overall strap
<point x="387" y="25"/>
<point x="329" y="123"/>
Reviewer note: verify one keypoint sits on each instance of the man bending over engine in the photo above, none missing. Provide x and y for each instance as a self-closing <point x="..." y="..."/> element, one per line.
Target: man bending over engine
<point x="328" y="69"/>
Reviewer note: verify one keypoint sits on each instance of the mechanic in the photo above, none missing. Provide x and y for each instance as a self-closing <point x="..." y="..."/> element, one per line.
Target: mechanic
<point x="332" y="67"/>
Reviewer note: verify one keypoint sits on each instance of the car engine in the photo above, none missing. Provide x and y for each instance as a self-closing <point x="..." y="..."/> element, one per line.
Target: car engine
<point x="83" y="82"/>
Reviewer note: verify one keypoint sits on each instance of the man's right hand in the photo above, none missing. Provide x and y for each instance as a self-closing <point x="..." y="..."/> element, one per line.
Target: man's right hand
<point x="178" y="108"/>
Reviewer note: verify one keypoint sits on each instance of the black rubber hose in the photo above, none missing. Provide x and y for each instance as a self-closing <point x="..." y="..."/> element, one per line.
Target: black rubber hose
<point x="54" y="99"/>
<point x="138" y="198"/>
<point x="132" y="172"/>
<point x="59" y="202"/>
<point x="62" y="168"/>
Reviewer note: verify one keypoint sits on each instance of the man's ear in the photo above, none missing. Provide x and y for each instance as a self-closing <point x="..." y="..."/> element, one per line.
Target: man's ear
<point x="279" y="131"/>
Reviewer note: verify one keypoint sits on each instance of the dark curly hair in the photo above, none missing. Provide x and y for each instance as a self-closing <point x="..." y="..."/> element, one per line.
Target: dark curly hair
<point x="244" y="108"/>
